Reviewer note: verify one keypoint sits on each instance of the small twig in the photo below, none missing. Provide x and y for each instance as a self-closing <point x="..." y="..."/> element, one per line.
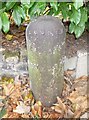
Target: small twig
<point x="68" y="81"/>
<point x="46" y="11"/>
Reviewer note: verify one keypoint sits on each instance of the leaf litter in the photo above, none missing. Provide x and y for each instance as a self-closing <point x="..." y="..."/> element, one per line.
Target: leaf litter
<point x="20" y="101"/>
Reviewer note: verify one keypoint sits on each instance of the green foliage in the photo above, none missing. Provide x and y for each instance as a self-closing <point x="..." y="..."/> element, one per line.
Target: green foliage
<point x="2" y="112"/>
<point x="37" y="9"/>
<point x="77" y="4"/>
<point x="5" y="22"/>
<point x="64" y="8"/>
<point x="18" y="14"/>
<point x="87" y="24"/>
<point x="77" y="12"/>
<point x="78" y="19"/>
<point x="9" y="5"/>
<point x="75" y="16"/>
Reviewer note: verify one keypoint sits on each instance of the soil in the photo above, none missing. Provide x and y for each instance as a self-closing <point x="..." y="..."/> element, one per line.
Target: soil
<point x="73" y="44"/>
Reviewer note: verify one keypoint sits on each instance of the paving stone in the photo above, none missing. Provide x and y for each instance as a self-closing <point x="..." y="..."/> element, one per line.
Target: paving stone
<point x="4" y="66"/>
<point x="23" y="55"/>
<point x="70" y="63"/>
<point x="8" y="72"/>
<point x="12" y="60"/>
<point x="82" y="63"/>
<point x="21" y="67"/>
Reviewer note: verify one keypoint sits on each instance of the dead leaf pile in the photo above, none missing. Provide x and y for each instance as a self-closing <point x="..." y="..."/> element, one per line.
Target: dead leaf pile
<point x="19" y="101"/>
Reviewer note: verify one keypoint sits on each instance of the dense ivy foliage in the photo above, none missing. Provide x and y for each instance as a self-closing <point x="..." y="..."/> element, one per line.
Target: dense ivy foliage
<point x="75" y="12"/>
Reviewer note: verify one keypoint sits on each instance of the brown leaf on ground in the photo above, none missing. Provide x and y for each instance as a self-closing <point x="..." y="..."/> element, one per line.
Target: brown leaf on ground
<point x="27" y="96"/>
<point x="22" y="108"/>
<point x="78" y="101"/>
<point x="72" y="97"/>
<point x="81" y="85"/>
<point x="77" y="113"/>
<point x="86" y="78"/>
<point x="45" y="115"/>
<point x="13" y="91"/>
<point x="69" y="72"/>
<point x="60" y="107"/>
<point x="37" y="109"/>
<point x="13" y="115"/>
<point x="9" y="37"/>
<point x="25" y="116"/>
<point x="54" y="115"/>
<point x="66" y="90"/>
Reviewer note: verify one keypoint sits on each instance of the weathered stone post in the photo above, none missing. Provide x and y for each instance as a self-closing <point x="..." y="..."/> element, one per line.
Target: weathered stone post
<point x="45" y="38"/>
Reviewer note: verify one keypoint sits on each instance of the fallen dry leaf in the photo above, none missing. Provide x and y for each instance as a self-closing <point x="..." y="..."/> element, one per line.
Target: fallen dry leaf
<point x="13" y="115"/>
<point x="72" y="97"/>
<point x="54" y="115"/>
<point x="25" y="116"/>
<point x="60" y="107"/>
<point x="22" y="108"/>
<point x="8" y="89"/>
<point x="28" y="96"/>
<point x="37" y="109"/>
<point x="78" y="101"/>
<point x="80" y="85"/>
<point x="69" y="72"/>
<point x="77" y="113"/>
<point x="9" y="37"/>
<point x="86" y="78"/>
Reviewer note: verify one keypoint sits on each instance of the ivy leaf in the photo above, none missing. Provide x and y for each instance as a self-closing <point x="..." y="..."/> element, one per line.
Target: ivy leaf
<point x="87" y="26"/>
<point x="0" y="23"/>
<point x="21" y="12"/>
<point x="2" y="10"/>
<point x="87" y="6"/>
<point x="25" y="2"/>
<point x="54" y="5"/>
<point x="37" y="9"/>
<point x="76" y="16"/>
<point x="5" y="22"/>
<point x="79" y="30"/>
<point x="84" y="17"/>
<point x="16" y="16"/>
<point x="78" y="3"/>
<point x="10" y="4"/>
<point x="50" y="12"/>
<point x="65" y="9"/>
<point x="2" y="112"/>
<point x="71" y="27"/>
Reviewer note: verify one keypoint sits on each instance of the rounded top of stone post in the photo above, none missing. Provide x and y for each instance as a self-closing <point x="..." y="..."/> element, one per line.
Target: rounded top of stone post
<point x="46" y="30"/>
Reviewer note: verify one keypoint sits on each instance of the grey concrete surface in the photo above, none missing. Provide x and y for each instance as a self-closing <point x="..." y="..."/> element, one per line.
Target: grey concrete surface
<point x="70" y="63"/>
<point x="82" y="63"/>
